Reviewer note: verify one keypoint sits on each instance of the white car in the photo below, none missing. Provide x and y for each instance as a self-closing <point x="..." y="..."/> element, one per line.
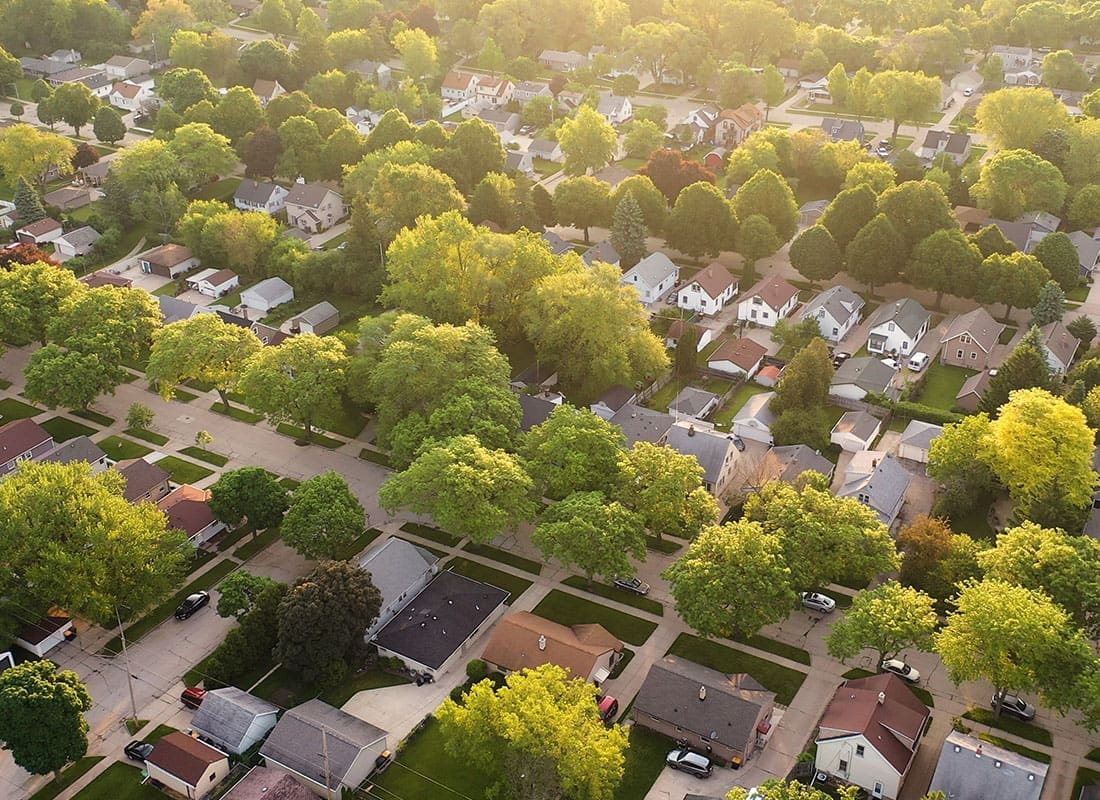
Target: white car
<point x="901" y="669"/>
<point x="918" y="361"/>
<point x="968" y="92"/>
<point x="892" y="363"/>
<point x="816" y="601"/>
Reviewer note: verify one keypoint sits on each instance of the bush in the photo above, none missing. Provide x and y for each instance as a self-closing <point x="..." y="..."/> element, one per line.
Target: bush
<point x="457" y="692"/>
<point x="925" y="413"/>
<point x="477" y="670"/>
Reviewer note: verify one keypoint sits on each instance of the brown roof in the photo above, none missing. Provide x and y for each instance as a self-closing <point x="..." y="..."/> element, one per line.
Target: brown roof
<point x="42" y="226"/>
<point x="167" y="255"/>
<point x="679" y="327"/>
<point x="265" y="88"/>
<point x="745" y="116"/>
<point x="744" y="353"/>
<point x="126" y="89"/>
<point x="1060" y="341"/>
<point x="274" y="336"/>
<point x="19" y="436"/>
<point x="776" y="292"/>
<point x="457" y="80"/>
<point x="981" y="326"/>
<point x="103" y="278"/>
<point x="970" y="216"/>
<point x="141" y="477"/>
<point x="188" y="509"/>
<point x="494" y="86"/>
<point x="220" y="277"/>
<point x="266" y="783"/>
<point x="714" y="279"/>
<point x="184" y="756"/>
<point x="517" y="638"/>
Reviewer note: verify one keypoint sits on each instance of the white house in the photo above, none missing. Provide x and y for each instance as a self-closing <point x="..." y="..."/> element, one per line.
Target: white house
<point x="856" y="377"/>
<point x="652" y="277"/>
<point x="75" y="243"/>
<point x="676" y="331"/>
<point x="738" y="357"/>
<point x="186" y="766"/>
<point x="615" y="109"/>
<point x="877" y="480"/>
<point x="494" y="92"/>
<point x="312" y="208"/>
<point x="459" y="86"/>
<point x="364" y="119"/>
<point x="771" y="300"/>
<point x="709" y="291"/>
<point x="1060" y="346"/>
<point x="562" y="61"/>
<point x="837" y="310"/>
<point x="234" y="720"/>
<point x="264" y="196"/>
<point x="129" y="95"/>
<point x="41" y="232"/>
<point x="547" y="150"/>
<point x="956" y="145"/>
<point x="267" y="90"/>
<point x="898" y="327"/>
<point x="526" y="91"/>
<point x="916" y="440"/>
<point x="214" y="282"/>
<point x="399" y="569"/>
<point x="754" y="421"/>
<point x="122" y="68"/>
<point x="855" y="431"/>
<point x="267" y="294"/>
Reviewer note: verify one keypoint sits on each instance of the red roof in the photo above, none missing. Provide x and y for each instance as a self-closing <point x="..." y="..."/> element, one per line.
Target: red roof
<point x="188" y="509"/>
<point x="185" y="757"/>
<point x="714" y="279"/>
<point x="743" y="353"/>
<point x="775" y="292"/>
<point x="19" y="436"/>
<point x="458" y="80"/>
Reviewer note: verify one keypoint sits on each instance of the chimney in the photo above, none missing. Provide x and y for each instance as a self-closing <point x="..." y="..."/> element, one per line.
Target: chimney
<point x="978" y="752"/>
<point x="691" y="430"/>
<point x="874" y="463"/>
<point x="542" y="642"/>
<point x="881" y="698"/>
<point x="702" y="693"/>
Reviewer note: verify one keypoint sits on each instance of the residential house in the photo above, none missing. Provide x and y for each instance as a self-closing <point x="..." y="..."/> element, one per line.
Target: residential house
<point x="144" y="481"/>
<point x="122" y="68"/>
<point x="78" y="242"/>
<point x="615" y="109"/>
<point x="9" y="217"/>
<point x="612" y="400"/>
<point x="652" y="277"/>
<point x="265" y="783"/>
<point x="789" y="67"/>
<point x="523" y="163"/>
<point x="843" y="130"/>
<point x="168" y="260"/>
<point x="558" y="245"/>
<point x="41" y="67"/>
<point x="234" y="720"/>
<point x="738" y="357"/>
<point x="1088" y="252"/>
<point x="318" y="319"/>
<point x="755" y="419"/>
<point x="324" y="747"/>
<point x="855" y="431"/>
<point x="524" y="641"/>
<point x="537" y="408"/>
<point x="188" y="509"/>
<point x="39" y="233"/>
<point x="857" y="377"/>
<point x="970" y="767"/>
<point x="1024" y="233"/>
<point x="376" y="72"/>
<point x="814" y="81"/>
<point x="1059" y="345"/>
<point x="128" y="95"/>
<point x="313" y="208"/>
<point x="878" y="481"/>
<point x="547" y="150"/>
<point x="837" y="310"/>
<point x="641" y="424"/>
<point x="602" y="252"/>
<point x="80" y="75"/>
<point x="364" y="119"/>
<point x="79" y="448"/>
<point x="898" y="327"/>
<point x="266" y="295"/>
<point x="494" y="92"/>
<point x="65" y="56"/>
<point x="679" y="327"/>
<point x="708" y="291"/>
<point x="186" y="766"/>
<point x="94" y="174"/>
<point x="1014" y="59"/>
<point x="969" y="339"/>
<point x="39" y="638"/>
<point x="955" y="145"/>
<point x="693" y="403"/>
<point x="436" y="629"/>
<point x="735" y="125"/>
<point x="68" y="198"/>
<point x="870" y="733"/>
<point x="400" y="570"/>
<point x="769" y="301"/>
<point x="698" y="127"/>
<point x="269" y="336"/>
<point x="175" y="309"/>
<point x="105" y="277"/>
<point x="810" y="212"/>
<point x="535" y="375"/>
<point x="260" y="196"/>
<point x="266" y="91"/>
<point x="788" y="462"/>
<point x="714" y="452"/>
<point x="459" y="86"/>
<point x="22" y="440"/>
<point x="526" y="91"/>
<point x="504" y="122"/>
<point x="916" y="440"/>
<point x="973" y="388"/>
<point x="726" y="716"/>
<point x="214" y="282"/>
<point x="562" y="61"/>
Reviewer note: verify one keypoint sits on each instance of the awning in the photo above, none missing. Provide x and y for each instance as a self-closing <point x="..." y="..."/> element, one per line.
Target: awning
<point x="602" y="674"/>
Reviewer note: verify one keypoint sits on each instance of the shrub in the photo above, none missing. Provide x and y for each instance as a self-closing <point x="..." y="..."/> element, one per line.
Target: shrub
<point x="925" y="413"/>
<point x="457" y="692"/>
<point x="477" y="670"/>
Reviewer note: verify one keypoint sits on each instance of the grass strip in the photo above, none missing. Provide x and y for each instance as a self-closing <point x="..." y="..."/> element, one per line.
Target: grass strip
<point x="568" y="609"/>
<point x="783" y="681"/>
<point x="184" y="471"/>
<point x="216" y="459"/>
<point x="317" y="437"/>
<point x="666" y="546"/>
<point x="618" y="595"/>
<point x="376" y="457"/>
<point x="261" y="542"/>
<point x="240" y="414"/>
<point x="781" y="649"/>
<point x="70" y="775"/>
<point x="230" y="538"/>
<point x="119" y="449"/>
<point x="513" y="584"/>
<point x="147" y="435"/>
<point x="504" y="557"/>
<point x="12" y="409"/>
<point x="433" y="534"/>
<point x="120" y="781"/>
<point x="1033" y="733"/>
<point x="361" y="542"/>
<point x="289" y="484"/>
<point x="93" y="416"/>
<point x="62" y="429"/>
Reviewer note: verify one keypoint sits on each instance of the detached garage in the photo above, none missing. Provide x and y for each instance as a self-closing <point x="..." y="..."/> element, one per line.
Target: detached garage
<point x="46" y="634"/>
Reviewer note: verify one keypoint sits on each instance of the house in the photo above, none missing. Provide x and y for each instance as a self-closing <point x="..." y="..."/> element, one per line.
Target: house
<point x="810" y="212"/>
<point x="436" y="628"/>
<point x="400" y="570"/>
<point x="524" y="640"/>
<point x="267" y="294"/>
<point x="168" y="260"/>
<point x="22" y="440"/>
<point x="547" y="150"/>
<point x="955" y="145"/>
<point x="186" y="766"/>
<point x="855" y="431"/>
<point x="693" y="403"/>
<point x="79" y="448"/>
<point x="1014" y="59"/>
<point x="1059" y="345"/>
<point x="312" y="208"/>
<point x="641" y="424"/>
<point x="562" y="61"/>
<point x="459" y="86"/>
<point x="613" y="174"/>
<point x="878" y="481"/>
<point x="265" y="783"/>
<point x="1088" y="252"/>
<point x="697" y="127"/>
<point x="214" y="282"/>
<point x="789" y="67"/>
<point x="494" y="92"/>
<point x="260" y="196"/>
<point x="769" y="301"/>
<point x="364" y="119"/>
<point x="1024" y="233"/>
<point x="504" y="122"/>
<point x="602" y="252"/>
<point x="558" y="245"/>
<point x="318" y="319"/>
<point x="726" y="716"/>
<point x="615" y="109"/>
<point x="676" y="331"/>
<point x="75" y="243"/>
<point x="376" y="72"/>
<point x="652" y="277"/>
<point x="708" y="291"/>
<point x="523" y="163"/>
<point x="537" y="408"/>
<point x="898" y="327"/>
<point x="80" y="75"/>
<point x="7" y="660"/>
<point x="813" y="81"/>
<point x="916" y="440"/>
<point x="526" y="91"/>
<point x="735" y="125"/>
<point x="188" y="510"/>
<point x="1027" y="77"/>
<point x="272" y="337"/>
<point x="969" y="339"/>
<point x="857" y="377"/>
<point x="234" y="720"/>
<point x="870" y="733"/>
<point x="973" y="388"/>
<point x="128" y="95"/>
<point x="754" y="421"/>
<point x="715" y="453"/>
<point x="225" y="315"/>
<point x="122" y="68"/>
<point x="266" y="91"/>
<point x="738" y="357"/>
<point x="837" y="310"/>
<point x="175" y="309"/>
<point x="145" y="481"/>
<point x="94" y="174"/>
<point x="788" y="462"/>
<point x="535" y="376"/>
<point x="612" y="400"/>
<point x="39" y="638"/>
<point x="843" y="130"/>
<point x="969" y="767"/>
<point x="714" y="159"/>
<point x="42" y="232"/>
<point x="68" y="198"/>
<point x="41" y="67"/>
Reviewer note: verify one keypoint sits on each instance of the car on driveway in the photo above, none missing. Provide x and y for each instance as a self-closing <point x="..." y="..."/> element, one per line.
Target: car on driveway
<point x="138" y="750"/>
<point x="192" y="696"/>
<point x="840" y="357"/>
<point x="816" y="601"/>
<point x="884" y="148"/>
<point x="968" y="92"/>
<point x="1015" y="706"/>
<point x="635" y="585"/>
<point x="690" y="762"/>
<point x="918" y="361"/>
<point x="901" y="669"/>
<point x="191" y="604"/>
<point x="892" y="363"/>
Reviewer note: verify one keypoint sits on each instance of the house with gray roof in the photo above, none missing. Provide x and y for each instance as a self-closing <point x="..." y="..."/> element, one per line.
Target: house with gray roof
<point x="602" y="252"/>
<point x="641" y="424"/>
<point x="233" y="720"/>
<point x="728" y="716"/>
<point x="503" y="121"/>
<point x="526" y="91"/>
<point x="969" y="767"/>
<point x="877" y="480"/>
<point x="558" y="245"/>
<point x="264" y="196"/>
<point x="970" y="339"/>
<point x="652" y="277"/>
<point x="537" y="408"/>
<point x="546" y="149"/>
<point x="1059" y="345"/>
<point x="855" y="431"/>
<point x="377" y="72"/>
<point x="955" y="145"/>
<point x="614" y="108"/>
<point x="857" y="377"/>
<point x="267" y="294"/>
<point x="324" y="747"/>
<point x="714" y="452"/>
<point x="175" y="309"/>
<point x="810" y="212"/>
<point x="837" y="310"/>
<point x="973" y="388"/>
<point x="79" y="448"/>
<point x="399" y="569"/>
<point x="755" y="419"/>
<point x="898" y="327"/>
<point x="312" y="207"/>
<point x="1088" y="251"/>
<point x="790" y="461"/>
<point x="916" y="440"/>
<point x="693" y="403"/>
<point x="318" y="319"/>
<point x="78" y="242"/>
<point x="523" y="163"/>
<point x="560" y="61"/>
<point x="843" y="130"/>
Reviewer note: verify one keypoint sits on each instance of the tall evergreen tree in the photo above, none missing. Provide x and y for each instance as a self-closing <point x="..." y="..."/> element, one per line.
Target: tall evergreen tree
<point x="628" y="232"/>
<point x="544" y="205"/>
<point x="27" y="203"/>
<point x="1026" y="367"/>
<point x="1051" y="306"/>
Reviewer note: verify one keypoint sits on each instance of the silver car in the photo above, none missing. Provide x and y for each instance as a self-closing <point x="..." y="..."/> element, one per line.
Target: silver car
<point x="1015" y="706"/>
<point x="816" y="601"/>
<point x="691" y="762"/>
<point x="632" y="585"/>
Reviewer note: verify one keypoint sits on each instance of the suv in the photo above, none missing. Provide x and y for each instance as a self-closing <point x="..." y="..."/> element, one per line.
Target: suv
<point x="816" y="601"/>
<point x="632" y="585"/>
<point x="1015" y="706"/>
<point x="191" y="604"/>
<point x="192" y="696"/>
<point x="691" y="762"/>
<point x="901" y="669"/>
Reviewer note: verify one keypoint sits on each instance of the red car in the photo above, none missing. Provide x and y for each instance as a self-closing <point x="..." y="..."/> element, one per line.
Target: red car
<point x="192" y="696"/>
<point x="608" y="707"/>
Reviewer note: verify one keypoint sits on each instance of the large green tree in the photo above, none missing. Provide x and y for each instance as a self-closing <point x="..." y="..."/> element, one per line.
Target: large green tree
<point x="108" y="125"/>
<point x="588" y="142"/>
<point x="324" y="517"/>
<point x="574" y="451"/>
<point x="1017" y="117"/>
<point x="904" y="96"/>
<point x="1015" y="181"/>
<point x="1025" y="368"/>
<point x="1058" y="254"/>
<point x="769" y="194"/>
<point x="31" y="295"/>
<point x="75" y="104"/>
<point x="917" y="209"/>
<point x="402" y="193"/>
<point x="582" y="202"/>
<point x="877" y="254"/>
<point x="935" y="560"/>
<point x="945" y="262"/>
<point x="702" y="222"/>
<point x="666" y="488"/>
<point x="594" y="535"/>
<point x="887" y="619"/>
<point x="32" y="154"/>
<point x="805" y="383"/>
<point x="203" y="348"/>
<point x="814" y="253"/>
<point x="250" y="493"/>
<point x="848" y="213"/>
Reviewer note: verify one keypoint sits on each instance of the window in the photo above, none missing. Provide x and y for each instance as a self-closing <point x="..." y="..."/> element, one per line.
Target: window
<point x="864" y="498"/>
<point x="905" y="345"/>
<point x="836" y="331"/>
<point x="974" y="356"/>
<point x="844" y="766"/>
<point x="958" y="354"/>
<point x="859" y="750"/>
<point x="964" y="339"/>
<point x="890" y="327"/>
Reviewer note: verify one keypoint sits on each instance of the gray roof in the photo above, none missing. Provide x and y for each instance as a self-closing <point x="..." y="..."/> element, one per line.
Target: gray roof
<point x="728" y="713"/>
<point x="878" y="477"/>
<point x="309" y="195"/>
<point x="975" y="384"/>
<point x="601" y="251"/>
<point x="617" y="396"/>
<point x="542" y="148"/>
<point x="270" y="288"/>
<point x="842" y="130"/>
<point x="1059" y="341"/>
<point x="998" y="773"/>
<point x="226" y="715"/>
<point x="979" y="325"/>
<point x="611" y="103"/>
<point x="859" y="424"/>
<point x="395" y="565"/>
<point x="1088" y="249"/>
<point x="513" y="160"/>
<point x="955" y="143"/>
<point x="920" y="434"/>
<point x="757" y="407"/>
<point x="532" y="87"/>
<point x="536" y="410"/>
<point x="256" y="192"/>
<point x="907" y="314"/>
<point x="322" y="312"/>
<point x="652" y="269"/>
<point x="794" y="459"/>
<point x="641" y="424"/>
<point x="557" y="244"/>
<point x="82" y="237"/>
<point x="80" y="448"/>
<point x="867" y="373"/>
<point x="499" y="117"/>
<point x="839" y="302"/>
<point x="692" y="402"/>
<point x="174" y="309"/>
<point x="709" y="449"/>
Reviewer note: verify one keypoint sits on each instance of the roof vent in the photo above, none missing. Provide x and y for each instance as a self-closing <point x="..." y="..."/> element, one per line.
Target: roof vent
<point x="997" y="764"/>
<point x="881" y="698"/>
<point x="1030" y="777"/>
<point x="958" y="749"/>
<point x="542" y="643"/>
<point x="702" y="693"/>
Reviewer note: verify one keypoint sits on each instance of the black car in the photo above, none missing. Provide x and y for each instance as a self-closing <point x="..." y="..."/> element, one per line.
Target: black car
<point x="138" y="750"/>
<point x="191" y="604"/>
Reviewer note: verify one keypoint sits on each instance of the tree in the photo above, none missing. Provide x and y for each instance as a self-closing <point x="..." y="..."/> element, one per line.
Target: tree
<point x="1025" y="368"/>
<point x="491" y="57"/>
<point x="418" y="53"/>
<point x="628" y="232"/>
<point x="250" y="493"/>
<point x="239" y="591"/>
<point x="1015" y="181"/>
<point x="625" y="85"/>
<point x="139" y="416"/>
<point x="917" y="209"/>
<point x="793" y="790"/>
<point x="26" y="152"/>
<point x="1083" y="328"/>
<point x="773" y="88"/>
<point x="904" y="96"/>
<point x="162" y="208"/>
<point x="756" y="29"/>
<point x="945" y="261"/>
<point x="10" y="69"/>
<point x="297" y="380"/>
<point x="877" y="254"/>
<point x="27" y="203"/>
<point x="582" y="202"/>
<point x="649" y="198"/>
<point x="848" y="213"/>
<point x="756" y="239"/>
<point x="68" y="378"/>
<point x="273" y="16"/>
<point x="838" y="83"/>
<point x="1015" y="118"/>
<point x="115" y="324"/>
<point x="732" y="581"/>
<point x="596" y="536"/>
<point x="108" y="125"/>
<point x="768" y="194"/>
<point x="1084" y="209"/>
<point x="201" y="153"/>
<point x="643" y="138"/>
<point x="162" y="18"/>
<point x="540" y="734"/>
<point x="665" y="489"/>
<point x="805" y="383"/>
<point x="1058" y="254"/>
<point x="1014" y="280"/>
<point x="323" y="619"/>
<point x="702" y="222"/>
<point x="467" y="488"/>
<point x="473" y="151"/>
<point x="588" y="142"/>
<point x="934" y="560"/>
<point x="42" y="716"/>
<point x="574" y="451"/>
<point x="75" y="104"/>
<point x="184" y="88"/>
<point x="238" y="114"/>
<point x="323" y="517"/>
<point x="670" y="172"/>
<point x="261" y="153"/>
<point x="1015" y="638"/>
<point x="1051" y="305"/>
<point x="879" y="175"/>
<point x="401" y="194"/>
<point x="887" y="619"/>
<point x="990" y="240"/>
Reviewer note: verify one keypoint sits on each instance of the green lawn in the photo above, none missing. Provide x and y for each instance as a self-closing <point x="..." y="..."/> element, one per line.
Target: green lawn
<point x="1033" y="733"/>
<point x="645" y="758"/>
<point x="70" y="775"/>
<point x="261" y="542"/>
<point x="619" y="595"/>
<point x="796" y="654"/>
<point x="431" y="533"/>
<point x="942" y="385"/>
<point x="569" y="609"/>
<point x="504" y="557"/>
<point x="184" y="471"/>
<point x="209" y="457"/>
<point x="781" y="680"/>
<point x="218" y="190"/>
<point x="358" y="544"/>
<point x="63" y="429"/>
<point x="666" y="546"/>
<point x="723" y="417"/>
<point x="12" y="409"/>
<point x="147" y="435"/>
<point x="119" y="782"/>
<point x="432" y="773"/>
<point x="237" y="413"/>
<point x="359" y="682"/>
<point x="317" y="437"/>
<point x="1027" y="752"/>
<point x="1007" y="334"/>
<point x="976" y="523"/>
<point x="513" y="584"/>
<point x="118" y="448"/>
<point x="1093" y="754"/>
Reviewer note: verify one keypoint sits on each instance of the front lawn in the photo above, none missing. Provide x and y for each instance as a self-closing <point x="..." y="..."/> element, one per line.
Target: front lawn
<point x="184" y="471"/>
<point x="723" y="417"/>
<point x="70" y="775"/>
<point x="153" y="437"/>
<point x="12" y="409"/>
<point x="62" y="429"/>
<point x="118" y="782"/>
<point x="504" y="557"/>
<point x="93" y="416"/>
<point x="425" y="771"/>
<point x="432" y="534"/>
<point x="219" y="190"/>
<point x="781" y="680"/>
<point x="261" y="542"/>
<point x="618" y="595"/>
<point x="645" y="758"/>
<point x="119" y="449"/>
<point x="569" y="609"/>
<point x="216" y="459"/>
<point x="513" y="584"/>
<point x="942" y="385"/>
<point x="358" y="544"/>
<point x="790" y="652"/>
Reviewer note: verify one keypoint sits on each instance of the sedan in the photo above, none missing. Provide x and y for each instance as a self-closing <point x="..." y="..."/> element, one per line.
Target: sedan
<point x="690" y="762"/>
<point x="816" y="601"/>
<point x="191" y="604"/>
<point x="634" y="585"/>
<point x="1015" y="706"/>
<point x="192" y="696"/>
<point x="138" y="750"/>
<point x="901" y="669"/>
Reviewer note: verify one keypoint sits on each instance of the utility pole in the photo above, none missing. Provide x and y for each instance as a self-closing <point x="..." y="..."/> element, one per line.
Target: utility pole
<point x="126" y="666"/>
<point x="324" y="749"/>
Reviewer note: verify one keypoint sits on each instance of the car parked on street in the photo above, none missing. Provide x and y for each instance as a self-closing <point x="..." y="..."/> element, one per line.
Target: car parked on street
<point x="191" y="604"/>
<point x="816" y="601"/>
<point x="690" y="762"/>
<point x="192" y="696"/>
<point x="635" y="585"/>
<point x="1015" y="706"/>
<point x="138" y="750"/>
<point x="901" y="669"/>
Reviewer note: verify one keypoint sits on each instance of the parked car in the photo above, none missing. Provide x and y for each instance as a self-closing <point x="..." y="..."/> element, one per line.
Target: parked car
<point x="816" y="601"/>
<point x="1015" y="706"/>
<point x="690" y="762"/>
<point x="608" y="707"/>
<point x="840" y="357"/>
<point x="191" y="604"/>
<point x="738" y="442"/>
<point x="138" y="750"/>
<point x="901" y="669"/>
<point x="635" y="585"/>
<point x="918" y="361"/>
<point x="192" y="696"/>
<point x="968" y="92"/>
<point x="884" y="148"/>
<point x="892" y="363"/>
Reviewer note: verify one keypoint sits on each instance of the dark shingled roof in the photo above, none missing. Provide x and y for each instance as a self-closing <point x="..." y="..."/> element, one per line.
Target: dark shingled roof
<point x="184" y="756"/>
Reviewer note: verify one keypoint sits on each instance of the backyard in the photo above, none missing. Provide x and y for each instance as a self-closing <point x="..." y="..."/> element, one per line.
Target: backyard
<point x="942" y="384"/>
<point x="723" y="418"/>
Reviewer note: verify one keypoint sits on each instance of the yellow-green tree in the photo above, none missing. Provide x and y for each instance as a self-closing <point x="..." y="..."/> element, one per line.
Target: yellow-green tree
<point x="588" y="142"/>
<point x="32" y="154"/>
<point x="203" y="348"/>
